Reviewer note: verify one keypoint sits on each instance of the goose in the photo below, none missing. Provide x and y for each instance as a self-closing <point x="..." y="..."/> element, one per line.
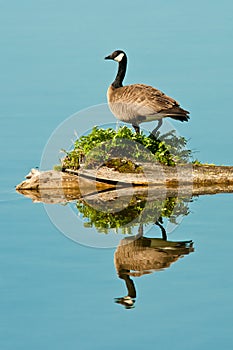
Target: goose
<point x="138" y="103"/>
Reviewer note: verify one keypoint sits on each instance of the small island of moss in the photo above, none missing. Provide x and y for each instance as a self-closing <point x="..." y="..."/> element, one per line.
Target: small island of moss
<point x="124" y="151"/>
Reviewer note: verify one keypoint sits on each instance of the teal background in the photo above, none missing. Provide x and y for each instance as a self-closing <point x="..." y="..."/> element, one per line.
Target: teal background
<point x="55" y="293"/>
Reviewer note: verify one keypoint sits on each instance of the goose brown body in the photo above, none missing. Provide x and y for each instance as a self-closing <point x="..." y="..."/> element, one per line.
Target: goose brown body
<point x="138" y="103"/>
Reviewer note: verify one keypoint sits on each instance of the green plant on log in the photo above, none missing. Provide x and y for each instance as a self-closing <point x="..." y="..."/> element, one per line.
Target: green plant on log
<point x="106" y="145"/>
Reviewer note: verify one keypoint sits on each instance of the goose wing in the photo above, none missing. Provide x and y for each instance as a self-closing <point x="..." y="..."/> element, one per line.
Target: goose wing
<point x="139" y="103"/>
<point x="147" y="100"/>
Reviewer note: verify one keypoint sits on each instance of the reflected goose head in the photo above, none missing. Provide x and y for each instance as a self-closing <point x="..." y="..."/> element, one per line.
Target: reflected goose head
<point x="127" y="301"/>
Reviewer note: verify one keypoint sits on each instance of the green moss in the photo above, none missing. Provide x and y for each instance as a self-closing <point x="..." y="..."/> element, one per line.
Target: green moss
<point x="197" y="162"/>
<point x="71" y="160"/>
<point x="104" y="146"/>
<point x="124" y="165"/>
<point x="57" y="167"/>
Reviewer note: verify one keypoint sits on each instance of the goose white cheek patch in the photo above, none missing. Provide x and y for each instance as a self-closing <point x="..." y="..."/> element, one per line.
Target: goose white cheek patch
<point x="119" y="57"/>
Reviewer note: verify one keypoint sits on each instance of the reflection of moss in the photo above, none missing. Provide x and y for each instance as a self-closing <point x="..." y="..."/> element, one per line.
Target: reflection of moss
<point x="103" y="220"/>
<point x="101" y="145"/>
<point x="173" y="208"/>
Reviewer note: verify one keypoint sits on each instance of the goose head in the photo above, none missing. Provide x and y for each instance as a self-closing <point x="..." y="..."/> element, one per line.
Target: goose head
<point x="117" y="56"/>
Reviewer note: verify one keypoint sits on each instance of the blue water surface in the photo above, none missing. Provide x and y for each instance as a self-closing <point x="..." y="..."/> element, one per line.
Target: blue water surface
<point x="54" y="292"/>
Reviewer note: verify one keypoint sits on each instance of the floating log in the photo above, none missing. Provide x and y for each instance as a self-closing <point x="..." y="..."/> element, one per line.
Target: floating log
<point x="158" y="174"/>
<point x="153" y="174"/>
<point x="56" y="186"/>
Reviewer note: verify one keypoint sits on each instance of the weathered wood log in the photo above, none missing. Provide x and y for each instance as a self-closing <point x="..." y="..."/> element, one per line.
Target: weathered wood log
<point x="157" y="174"/>
<point x="153" y="174"/>
<point x="55" y="186"/>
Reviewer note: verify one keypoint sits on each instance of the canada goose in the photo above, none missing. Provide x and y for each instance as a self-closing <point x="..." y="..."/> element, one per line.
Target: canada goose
<point x="140" y="103"/>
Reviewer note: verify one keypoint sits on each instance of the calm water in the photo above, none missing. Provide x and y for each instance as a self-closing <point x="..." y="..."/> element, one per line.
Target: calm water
<point x="56" y="293"/>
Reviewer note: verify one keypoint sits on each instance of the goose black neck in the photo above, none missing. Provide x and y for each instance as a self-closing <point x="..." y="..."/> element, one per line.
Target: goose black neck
<point x="121" y="73"/>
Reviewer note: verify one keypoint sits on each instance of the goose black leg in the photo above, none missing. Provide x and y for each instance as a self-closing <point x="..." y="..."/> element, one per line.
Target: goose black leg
<point x="164" y="233"/>
<point x="137" y="129"/>
<point x="160" y="122"/>
<point x="140" y="232"/>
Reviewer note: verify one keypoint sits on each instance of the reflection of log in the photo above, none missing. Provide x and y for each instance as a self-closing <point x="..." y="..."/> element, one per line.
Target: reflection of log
<point x="54" y="187"/>
<point x="145" y="255"/>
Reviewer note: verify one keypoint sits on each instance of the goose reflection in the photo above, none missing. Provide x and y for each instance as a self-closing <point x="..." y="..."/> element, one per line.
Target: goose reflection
<point x="143" y="255"/>
<point x="126" y="210"/>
